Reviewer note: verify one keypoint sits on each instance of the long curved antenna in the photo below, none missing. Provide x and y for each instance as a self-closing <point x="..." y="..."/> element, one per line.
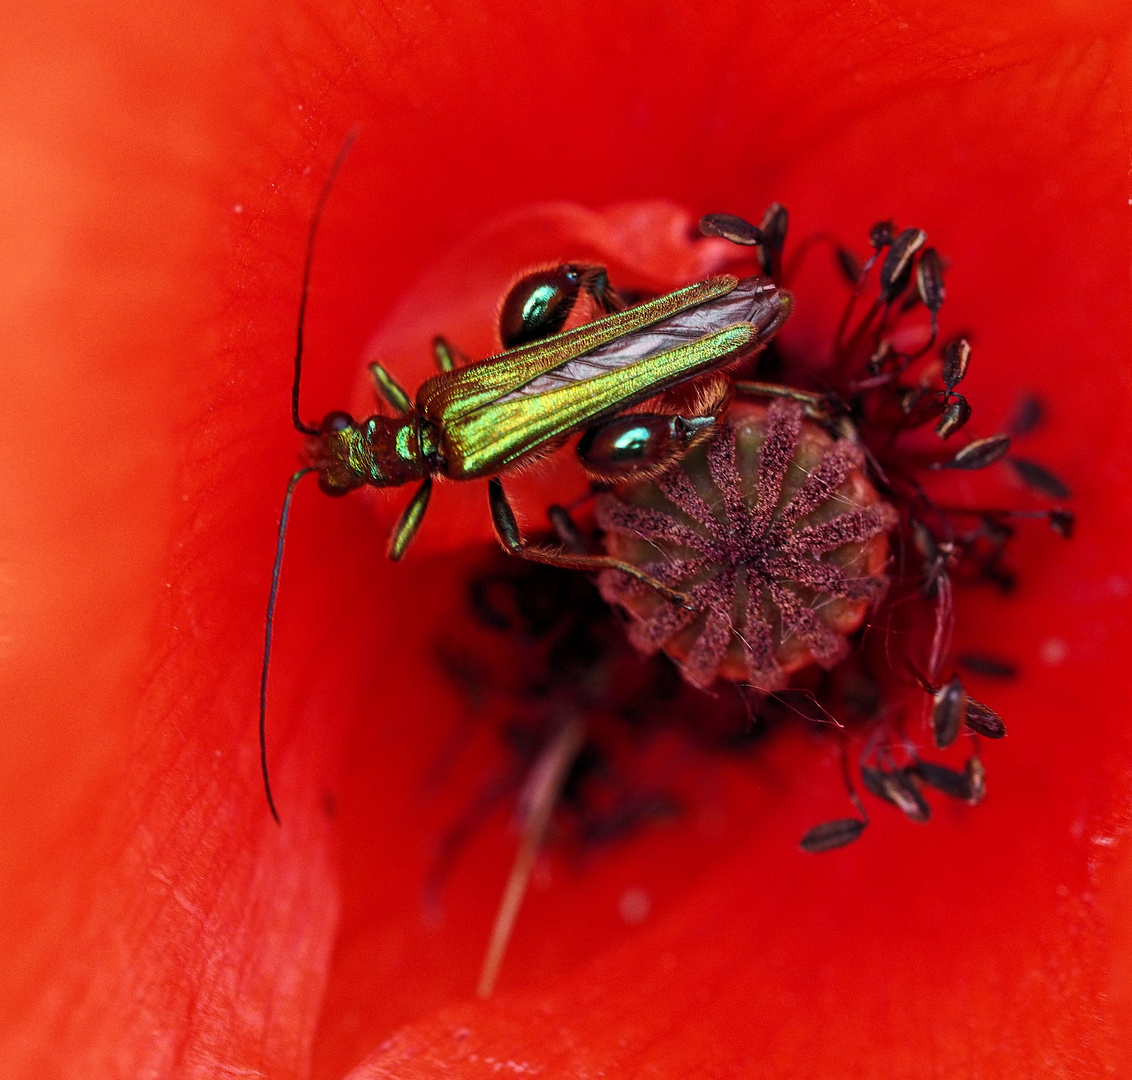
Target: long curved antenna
<point x="267" y="636"/>
<point x="306" y="429"/>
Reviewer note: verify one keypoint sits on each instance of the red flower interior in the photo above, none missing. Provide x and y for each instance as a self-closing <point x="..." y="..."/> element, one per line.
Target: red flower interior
<point x="164" y="167"/>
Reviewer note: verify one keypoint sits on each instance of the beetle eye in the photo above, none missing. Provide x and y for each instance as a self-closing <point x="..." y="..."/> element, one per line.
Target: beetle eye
<point x="336" y="421"/>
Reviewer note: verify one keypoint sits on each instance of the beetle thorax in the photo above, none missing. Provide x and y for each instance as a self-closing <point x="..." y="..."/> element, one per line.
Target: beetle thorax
<point x="380" y="452"/>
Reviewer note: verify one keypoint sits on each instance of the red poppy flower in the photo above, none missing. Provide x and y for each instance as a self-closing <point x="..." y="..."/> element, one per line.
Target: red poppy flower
<point x="162" y="166"/>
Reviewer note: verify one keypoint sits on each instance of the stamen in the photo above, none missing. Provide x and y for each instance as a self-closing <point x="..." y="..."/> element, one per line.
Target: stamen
<point x="778" y="527"/>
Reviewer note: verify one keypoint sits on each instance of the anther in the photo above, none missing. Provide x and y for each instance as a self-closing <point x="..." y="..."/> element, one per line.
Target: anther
<point x="956" y="358"/>
<point x="729" y="227"/>
<point x="896" y="270"/>
<point x="980" y="453"/>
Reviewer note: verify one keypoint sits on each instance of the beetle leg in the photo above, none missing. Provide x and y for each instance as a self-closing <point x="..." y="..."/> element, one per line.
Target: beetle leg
<point x="824" y="409"/>
<point x="448" y="358"/>
<point x="507" y="531"/>
<point x="390" y="389"/>
<point x="410" y="520"/>
<point x="816" y="405"/>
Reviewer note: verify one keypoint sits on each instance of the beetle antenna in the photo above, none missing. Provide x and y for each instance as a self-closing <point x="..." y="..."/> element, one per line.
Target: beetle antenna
<point x="271" y="598"/>
<point x="306" y="429"/>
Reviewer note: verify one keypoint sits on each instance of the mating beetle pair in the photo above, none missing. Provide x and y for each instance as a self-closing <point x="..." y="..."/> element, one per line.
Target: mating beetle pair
<point x="478" y="420"/>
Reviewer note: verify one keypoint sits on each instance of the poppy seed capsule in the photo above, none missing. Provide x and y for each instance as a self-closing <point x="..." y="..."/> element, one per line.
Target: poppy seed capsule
<point x="773" y="531"/>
